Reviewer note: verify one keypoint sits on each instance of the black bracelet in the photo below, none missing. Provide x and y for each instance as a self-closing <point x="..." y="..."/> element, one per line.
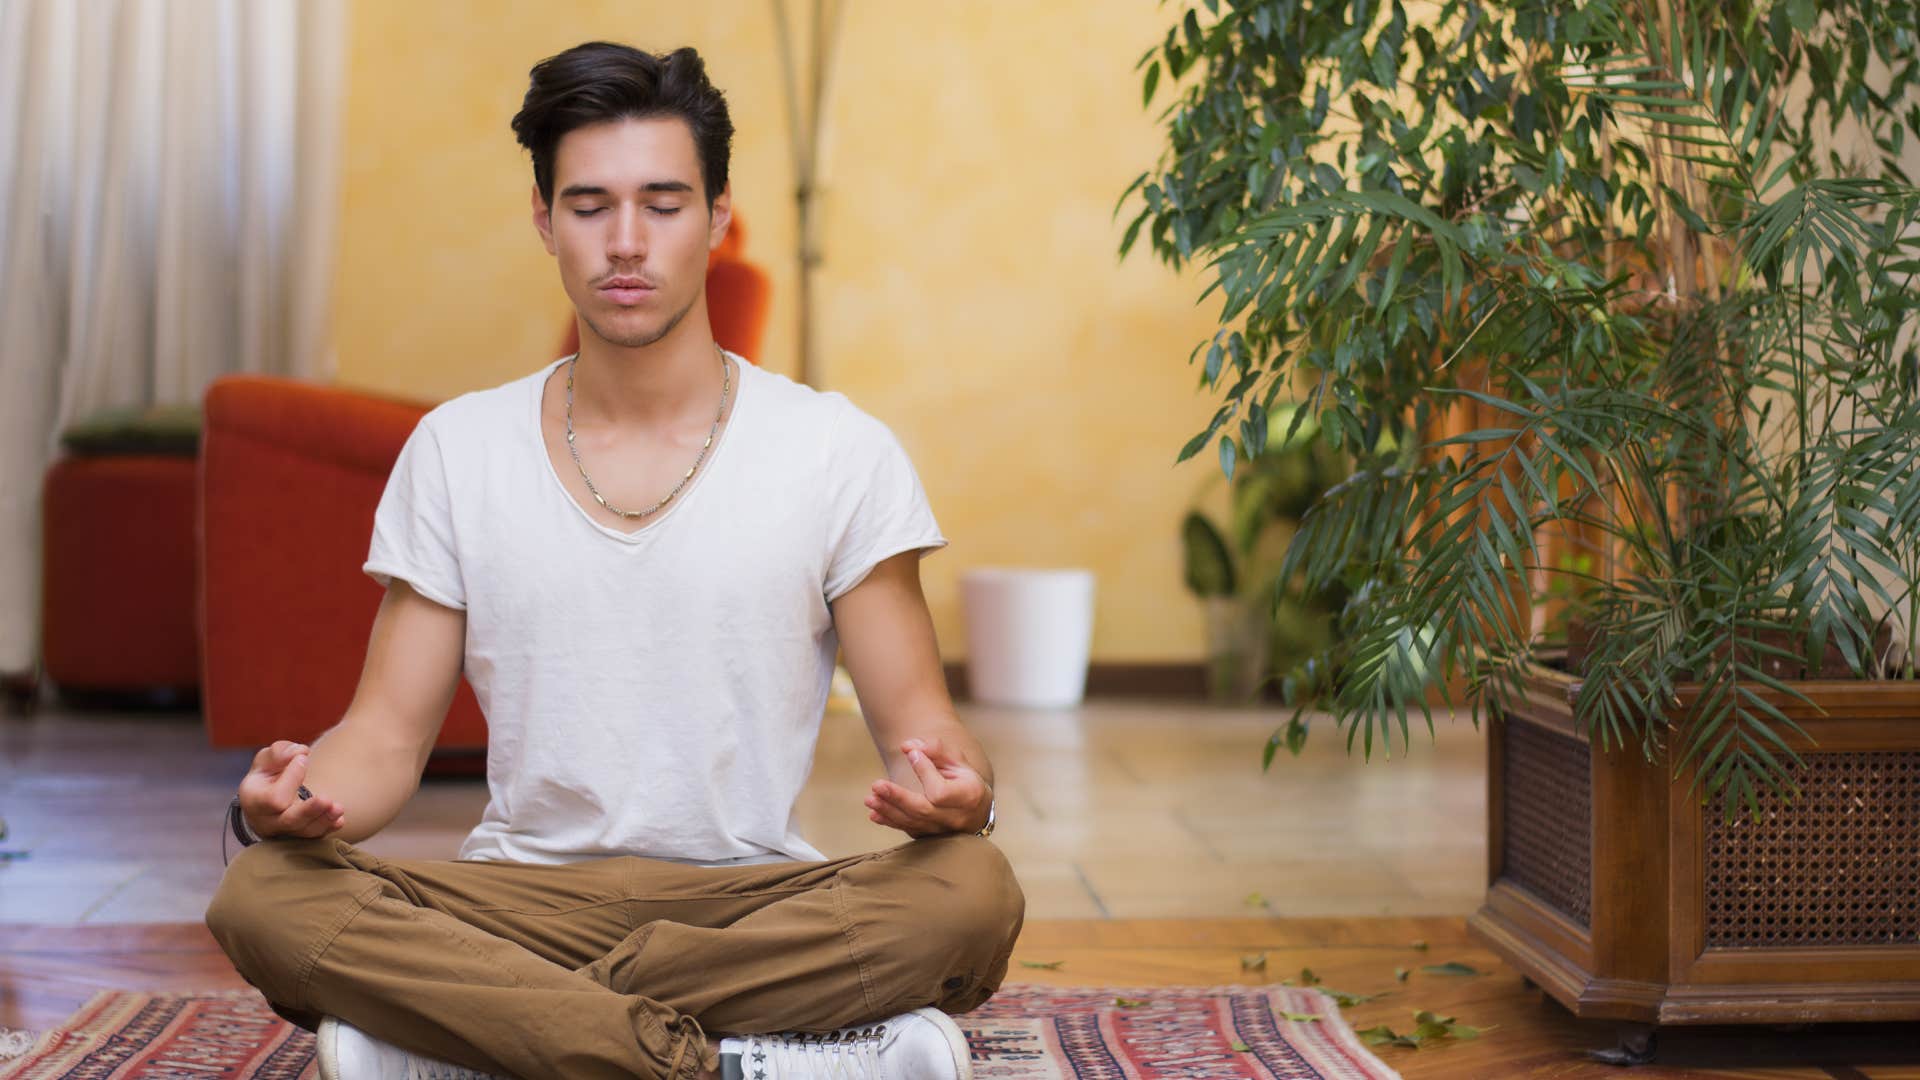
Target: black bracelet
<point x="236" y="823"/>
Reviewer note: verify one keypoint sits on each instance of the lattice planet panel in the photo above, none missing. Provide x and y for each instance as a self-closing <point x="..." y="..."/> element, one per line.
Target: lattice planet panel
<point x="1547" y="802"/>
<point x="1838" y="865"/>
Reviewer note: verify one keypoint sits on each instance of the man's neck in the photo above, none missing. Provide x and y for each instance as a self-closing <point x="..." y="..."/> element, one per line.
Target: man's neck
<point x="664" y="383"/>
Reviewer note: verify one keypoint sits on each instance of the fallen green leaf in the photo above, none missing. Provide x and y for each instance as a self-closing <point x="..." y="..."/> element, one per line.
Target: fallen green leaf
<point x="1239" y="1047"/>
<point x="1346" y="1000"/>
<point x="1254" y="899"/>
<point x="1308" y="978"/>
<point x="1300" y="1018"/>
<point x="1428" y="1027"/>
<point x="1420" y="945"/>
<point x="1435" y="1026"/>
<point x="1050" y="965"/>
<point x="1451" y="967"/>
<point x="1382" y="1035"/>
<point x="1128" y="1003"/>
<point x="1254" y="962"/>
<point x="1400" y="974"/>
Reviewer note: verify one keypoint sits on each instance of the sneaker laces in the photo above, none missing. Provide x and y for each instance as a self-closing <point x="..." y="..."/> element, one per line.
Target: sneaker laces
<point x="847" y="1054"/>
<point x="426" y="1068"/>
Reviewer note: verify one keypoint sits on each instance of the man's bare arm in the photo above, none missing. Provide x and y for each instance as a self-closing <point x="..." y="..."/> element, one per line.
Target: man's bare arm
<point x="939" y="778"/>
<point x="366" y="767"/>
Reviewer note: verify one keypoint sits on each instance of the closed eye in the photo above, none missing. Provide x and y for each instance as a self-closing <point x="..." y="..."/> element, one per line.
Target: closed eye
<point x="663" y="211"/>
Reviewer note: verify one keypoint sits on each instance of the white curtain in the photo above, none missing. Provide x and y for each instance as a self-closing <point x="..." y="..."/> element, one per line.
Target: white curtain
<point x="168" y="176"/>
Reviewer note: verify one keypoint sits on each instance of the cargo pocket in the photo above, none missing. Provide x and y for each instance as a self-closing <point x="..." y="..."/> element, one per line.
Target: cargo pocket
<point x="957" y="992"/>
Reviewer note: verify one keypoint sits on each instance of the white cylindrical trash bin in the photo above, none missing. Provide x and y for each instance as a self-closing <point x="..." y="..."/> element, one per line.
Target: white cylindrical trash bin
<point x="1029" y="632"/>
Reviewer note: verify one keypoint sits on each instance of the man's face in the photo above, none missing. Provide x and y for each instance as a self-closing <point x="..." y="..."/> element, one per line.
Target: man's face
<point x="629" y="226"/>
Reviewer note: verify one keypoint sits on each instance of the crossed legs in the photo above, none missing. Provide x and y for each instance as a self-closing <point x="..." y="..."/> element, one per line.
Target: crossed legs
<point x="617" y="967"/>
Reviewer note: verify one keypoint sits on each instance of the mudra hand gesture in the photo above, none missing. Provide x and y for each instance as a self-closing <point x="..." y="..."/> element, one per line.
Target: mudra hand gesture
<point x="953" y="797"/>
<point x="271" y="796"/>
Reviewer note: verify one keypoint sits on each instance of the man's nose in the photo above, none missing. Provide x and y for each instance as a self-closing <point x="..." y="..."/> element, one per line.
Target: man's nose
<point x="629" y="239"/>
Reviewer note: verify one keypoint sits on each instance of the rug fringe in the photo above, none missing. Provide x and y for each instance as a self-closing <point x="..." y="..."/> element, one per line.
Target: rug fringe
<point x="15" y="1044"/>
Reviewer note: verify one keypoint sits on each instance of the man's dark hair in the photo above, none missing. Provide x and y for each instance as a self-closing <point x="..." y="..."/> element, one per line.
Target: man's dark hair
<point x="601" y="81"/>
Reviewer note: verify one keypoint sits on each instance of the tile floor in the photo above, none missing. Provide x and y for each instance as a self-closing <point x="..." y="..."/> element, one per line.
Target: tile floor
<point x="1120" y="809"/>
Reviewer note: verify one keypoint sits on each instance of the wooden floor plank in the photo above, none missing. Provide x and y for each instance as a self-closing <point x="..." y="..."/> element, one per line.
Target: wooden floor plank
<point x="48" y="972"/>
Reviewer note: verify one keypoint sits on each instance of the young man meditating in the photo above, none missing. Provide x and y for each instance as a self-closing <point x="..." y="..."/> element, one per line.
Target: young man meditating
<point x="643" y="557"/>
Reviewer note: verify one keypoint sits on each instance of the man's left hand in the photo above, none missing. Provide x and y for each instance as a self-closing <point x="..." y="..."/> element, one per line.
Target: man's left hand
<point x="955" y="796"/>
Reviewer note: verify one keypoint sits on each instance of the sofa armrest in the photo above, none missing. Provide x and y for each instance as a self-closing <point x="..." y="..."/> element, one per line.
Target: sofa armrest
<point x="325" y="423"/>
<point x="290" y="476"/>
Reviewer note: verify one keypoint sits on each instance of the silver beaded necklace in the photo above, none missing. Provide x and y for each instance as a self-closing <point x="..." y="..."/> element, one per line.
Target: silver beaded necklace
<point x="726" y="390"/>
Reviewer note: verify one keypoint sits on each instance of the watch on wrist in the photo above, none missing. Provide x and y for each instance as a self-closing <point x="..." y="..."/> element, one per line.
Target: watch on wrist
<point x="987" y="829"/>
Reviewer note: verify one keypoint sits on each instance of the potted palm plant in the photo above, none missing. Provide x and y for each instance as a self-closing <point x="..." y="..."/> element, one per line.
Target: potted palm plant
<point x="1610" y="306"/>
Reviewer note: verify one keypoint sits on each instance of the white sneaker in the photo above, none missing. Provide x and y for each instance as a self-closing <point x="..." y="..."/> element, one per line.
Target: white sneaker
<point x="924" y="1044"/>
<point x="347" y="1053"/>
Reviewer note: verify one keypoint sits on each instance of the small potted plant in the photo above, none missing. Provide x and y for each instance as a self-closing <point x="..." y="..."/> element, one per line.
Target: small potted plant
<point x="1256" y="626"/>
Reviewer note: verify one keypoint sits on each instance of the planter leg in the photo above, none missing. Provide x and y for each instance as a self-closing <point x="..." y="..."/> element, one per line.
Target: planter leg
<point x="1636" y="1047"/>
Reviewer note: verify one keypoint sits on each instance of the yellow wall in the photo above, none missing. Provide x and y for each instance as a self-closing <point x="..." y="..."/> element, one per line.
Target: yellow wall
<point x="971" y="297"/>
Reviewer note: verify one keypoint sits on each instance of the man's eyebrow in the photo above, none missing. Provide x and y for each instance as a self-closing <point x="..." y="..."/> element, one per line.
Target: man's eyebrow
<point x="666" y="186"/>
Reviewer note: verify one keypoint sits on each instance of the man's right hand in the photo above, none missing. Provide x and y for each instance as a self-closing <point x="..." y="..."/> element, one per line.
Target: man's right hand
<point x="270" y="799"/>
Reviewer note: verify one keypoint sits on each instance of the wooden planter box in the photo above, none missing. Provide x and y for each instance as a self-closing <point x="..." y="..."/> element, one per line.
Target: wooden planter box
<point x="1625" y="899"/>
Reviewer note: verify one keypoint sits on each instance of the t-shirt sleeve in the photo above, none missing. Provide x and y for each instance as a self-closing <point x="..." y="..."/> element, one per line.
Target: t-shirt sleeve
<point x="413" y="526"/>
<point x="877" y="506"/>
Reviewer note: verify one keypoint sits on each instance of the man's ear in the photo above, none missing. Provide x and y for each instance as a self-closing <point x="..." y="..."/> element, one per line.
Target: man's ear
<point x="721" y="217"/>
<point x="543" y="219"/>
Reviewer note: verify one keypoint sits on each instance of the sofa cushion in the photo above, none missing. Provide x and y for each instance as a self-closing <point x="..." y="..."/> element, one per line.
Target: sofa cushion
<point x="155" y="429"/>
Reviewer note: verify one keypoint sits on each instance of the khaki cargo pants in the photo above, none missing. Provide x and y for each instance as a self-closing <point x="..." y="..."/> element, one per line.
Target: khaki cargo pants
<point x="620" y="967"/>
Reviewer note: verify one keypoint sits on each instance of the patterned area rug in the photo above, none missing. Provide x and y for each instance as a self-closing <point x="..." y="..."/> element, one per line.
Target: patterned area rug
<point x="1025" y="1032"/>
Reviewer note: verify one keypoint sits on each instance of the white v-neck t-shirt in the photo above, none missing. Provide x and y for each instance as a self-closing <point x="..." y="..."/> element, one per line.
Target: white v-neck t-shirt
<point x="657" y="693"/>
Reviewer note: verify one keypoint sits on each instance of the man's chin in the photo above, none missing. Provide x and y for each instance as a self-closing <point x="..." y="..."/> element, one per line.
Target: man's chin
<point x="630" y="335"/>
<point x="627" y="337"/>
<point x="632" y="341"/>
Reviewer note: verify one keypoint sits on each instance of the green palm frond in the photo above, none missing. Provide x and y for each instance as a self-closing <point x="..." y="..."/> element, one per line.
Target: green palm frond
<point x="1683" y="322"/>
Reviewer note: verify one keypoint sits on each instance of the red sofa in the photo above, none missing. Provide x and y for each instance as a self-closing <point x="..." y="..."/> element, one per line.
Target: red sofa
<point x="116" y="583"/>
<point x="290" y="474"/>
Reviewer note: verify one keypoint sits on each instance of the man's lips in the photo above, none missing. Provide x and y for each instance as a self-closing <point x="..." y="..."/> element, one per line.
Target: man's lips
<point x="626" y="290"/>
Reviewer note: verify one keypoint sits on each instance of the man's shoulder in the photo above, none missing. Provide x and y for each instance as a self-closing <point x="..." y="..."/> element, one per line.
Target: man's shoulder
<point x="789" y="397"/>
<point x="486" y="411"/>
<point x="829" y="413"/>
